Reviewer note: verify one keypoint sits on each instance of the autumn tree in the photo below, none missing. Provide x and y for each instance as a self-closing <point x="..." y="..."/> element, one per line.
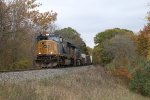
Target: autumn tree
<point x="104" y="42"/>
<point x="141" y="79"/>
<point x="5" y="22"/>
<point x="20" y="21"/>
<point x="143" y="41"/>
<point x="44" y="20"/>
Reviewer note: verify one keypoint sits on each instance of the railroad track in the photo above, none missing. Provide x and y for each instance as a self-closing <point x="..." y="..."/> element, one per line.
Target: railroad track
<point x="31" y="69"/>
<point x="17" y="70"/>
<point x="34" y="74"/>
<point x="22" y="70"/>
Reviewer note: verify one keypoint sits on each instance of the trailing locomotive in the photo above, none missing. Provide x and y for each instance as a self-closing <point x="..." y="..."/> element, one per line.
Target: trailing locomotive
<point x="53" y="50"/>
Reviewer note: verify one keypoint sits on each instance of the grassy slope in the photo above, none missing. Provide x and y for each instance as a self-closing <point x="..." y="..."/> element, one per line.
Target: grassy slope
<point x="95" y="84"/>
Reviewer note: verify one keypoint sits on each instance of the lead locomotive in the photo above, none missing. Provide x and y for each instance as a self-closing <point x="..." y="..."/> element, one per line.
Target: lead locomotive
<point x="53" y="50"/>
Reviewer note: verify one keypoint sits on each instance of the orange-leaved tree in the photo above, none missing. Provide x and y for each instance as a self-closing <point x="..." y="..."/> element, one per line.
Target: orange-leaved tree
<point x="143" y="41"/>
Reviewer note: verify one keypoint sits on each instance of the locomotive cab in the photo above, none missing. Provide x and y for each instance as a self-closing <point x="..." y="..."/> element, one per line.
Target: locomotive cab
<point x="47" y="50"/>
<point x="48" y="45"/>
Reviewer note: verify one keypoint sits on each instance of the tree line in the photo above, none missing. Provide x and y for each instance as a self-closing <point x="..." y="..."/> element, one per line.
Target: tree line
<point x="127" y="55"/>
<point x="20" y="24"/>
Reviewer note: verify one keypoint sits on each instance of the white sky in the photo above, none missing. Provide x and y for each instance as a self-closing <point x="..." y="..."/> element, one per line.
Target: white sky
<point x="89" y="17"/>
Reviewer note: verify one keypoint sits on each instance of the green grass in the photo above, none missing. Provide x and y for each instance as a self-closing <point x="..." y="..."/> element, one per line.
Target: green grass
<point x="94" y="84"/>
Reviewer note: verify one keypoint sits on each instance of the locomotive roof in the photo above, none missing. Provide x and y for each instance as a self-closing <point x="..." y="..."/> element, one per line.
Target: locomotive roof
<point x="66" y="40"/>
<point x="45" y="37"/>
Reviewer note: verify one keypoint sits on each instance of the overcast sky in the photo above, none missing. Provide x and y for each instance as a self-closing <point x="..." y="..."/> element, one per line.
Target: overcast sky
<point x="90" y="17"/>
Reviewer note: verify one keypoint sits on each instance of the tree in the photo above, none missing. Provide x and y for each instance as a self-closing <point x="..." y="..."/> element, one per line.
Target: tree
<point x="122" y="49"/>
<point x="97" y="55"/>
<point x="74" y="37"/>
<point x="5" y="23"/>
<point x="19" y="22"/>
<point x="148" y="16"/>
<point x="90" y="50"/>
<point x="143" y="42"/>
<point x="43" y="21"/>
<point x="104" y="41"/>
<point x="108" y="34"/>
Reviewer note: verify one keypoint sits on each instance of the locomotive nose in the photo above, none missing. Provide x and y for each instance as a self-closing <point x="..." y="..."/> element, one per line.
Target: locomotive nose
<point x="47" y="47"/>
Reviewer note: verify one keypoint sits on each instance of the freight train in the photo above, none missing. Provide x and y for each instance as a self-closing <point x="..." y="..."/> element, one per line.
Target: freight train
<point x="54" y="50"/>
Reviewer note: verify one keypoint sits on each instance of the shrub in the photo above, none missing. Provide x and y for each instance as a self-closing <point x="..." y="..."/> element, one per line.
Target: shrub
<point x="23" y="63"/>
<point x="97" y="52"/>
<point x="119" y="47"/>
<point x="107" y="57"/>
<point x="100" y="56"/>
<point x="141" y="81"/>
<point x="123" y="73"/>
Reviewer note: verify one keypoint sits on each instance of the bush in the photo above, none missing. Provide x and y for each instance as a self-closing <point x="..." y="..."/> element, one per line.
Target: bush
<point x="97" y="52"/>
<point x="113" y="46"/>
<point x="119" y="47"/>
<point x="107" y="57"/>
<point x="100" y="56"/>
<point x="141" y="81"/>
<point x="23" y="63"/>
<point x="115" y="52"/>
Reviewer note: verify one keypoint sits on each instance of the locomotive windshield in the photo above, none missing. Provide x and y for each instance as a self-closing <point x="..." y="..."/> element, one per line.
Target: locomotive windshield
<point x="55" y="38"/>
<point x="50" y="37"/>
<point x="41" y="37"/>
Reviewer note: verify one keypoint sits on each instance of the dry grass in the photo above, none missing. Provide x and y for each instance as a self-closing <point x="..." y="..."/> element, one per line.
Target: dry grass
<point x="94" y="84"/>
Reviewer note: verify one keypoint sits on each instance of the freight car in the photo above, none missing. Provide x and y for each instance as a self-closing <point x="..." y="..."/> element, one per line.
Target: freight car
<point x="86" y="59"/>
<point x="53" y="50"/>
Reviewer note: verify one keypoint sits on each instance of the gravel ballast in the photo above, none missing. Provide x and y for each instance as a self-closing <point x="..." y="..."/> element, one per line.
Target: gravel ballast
<point x="14" y="77"/>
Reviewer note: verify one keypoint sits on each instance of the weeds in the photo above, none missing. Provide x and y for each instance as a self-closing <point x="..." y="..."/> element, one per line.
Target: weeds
<point x="17" y="92"/>
<point x="94" y="84"/>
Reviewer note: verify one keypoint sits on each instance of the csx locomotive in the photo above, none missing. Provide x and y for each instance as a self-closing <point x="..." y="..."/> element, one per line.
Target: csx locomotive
<point x="53" y="50"/>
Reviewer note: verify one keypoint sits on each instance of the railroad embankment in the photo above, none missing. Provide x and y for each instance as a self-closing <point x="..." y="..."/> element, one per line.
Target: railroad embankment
<point x="80" y="83"/>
